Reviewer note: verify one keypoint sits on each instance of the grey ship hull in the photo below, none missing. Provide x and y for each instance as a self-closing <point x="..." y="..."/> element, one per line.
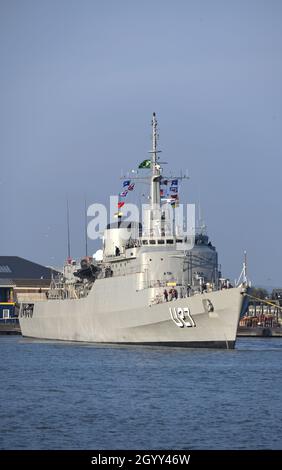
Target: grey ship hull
<point x="114" y="312"/>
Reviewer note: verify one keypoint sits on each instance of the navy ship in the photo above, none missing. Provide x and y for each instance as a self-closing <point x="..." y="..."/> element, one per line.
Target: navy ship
<point x="153" y="285"/>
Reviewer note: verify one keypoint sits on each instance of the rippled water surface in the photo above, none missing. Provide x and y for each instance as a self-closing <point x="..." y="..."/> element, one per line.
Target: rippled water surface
<point x="81" y="396"/>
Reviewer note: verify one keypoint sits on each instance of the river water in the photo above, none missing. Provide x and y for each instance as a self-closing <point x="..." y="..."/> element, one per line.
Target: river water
<point x="56" y="395"/>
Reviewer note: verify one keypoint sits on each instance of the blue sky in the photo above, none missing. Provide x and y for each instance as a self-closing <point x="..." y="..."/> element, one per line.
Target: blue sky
<point x="78" y="84"/>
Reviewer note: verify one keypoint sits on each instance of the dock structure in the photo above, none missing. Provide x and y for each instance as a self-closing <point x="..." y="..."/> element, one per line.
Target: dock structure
<point x="259" y="331"/>
<point x="9" y="328"/>
<point x="263" y="316"/>
<point x="20" y="281"/>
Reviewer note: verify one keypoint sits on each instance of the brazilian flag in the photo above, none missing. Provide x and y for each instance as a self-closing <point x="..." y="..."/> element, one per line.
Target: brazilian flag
<point x="145" y="164"/>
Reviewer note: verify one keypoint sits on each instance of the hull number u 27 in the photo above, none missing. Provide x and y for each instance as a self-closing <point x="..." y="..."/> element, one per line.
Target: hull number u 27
<point x="182" y="317"/>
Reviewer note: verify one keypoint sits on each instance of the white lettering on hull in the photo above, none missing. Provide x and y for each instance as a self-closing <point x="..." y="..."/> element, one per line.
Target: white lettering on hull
<point x="182" y="317"/>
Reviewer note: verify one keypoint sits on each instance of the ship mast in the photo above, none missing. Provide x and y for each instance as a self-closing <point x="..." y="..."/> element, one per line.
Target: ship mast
<point x="154" y="221"/>
<point x="68" y="230"/>
<point x="155" y="178"/>
<point x="154" y="213"/>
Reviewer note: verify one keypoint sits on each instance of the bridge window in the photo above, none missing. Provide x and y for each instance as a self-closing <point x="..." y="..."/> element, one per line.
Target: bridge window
<point x="160" y="242"/>
<point x="152" y="242"/>
<point x="145" y="242"/>
<point x="169" y="242"/>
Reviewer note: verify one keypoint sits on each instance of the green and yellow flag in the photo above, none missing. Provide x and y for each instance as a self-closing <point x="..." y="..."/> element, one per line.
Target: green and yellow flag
<point x="145" y="164"/>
